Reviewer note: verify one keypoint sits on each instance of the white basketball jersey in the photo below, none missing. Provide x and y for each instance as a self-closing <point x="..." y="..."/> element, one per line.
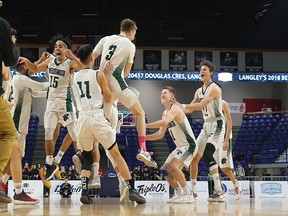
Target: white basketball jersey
<point x="181" y="132"/>
<point x="59" y="93"/>
<point x="118" y="50"/>
<point x="88" y="93"/>
<point x="213" y="111"/>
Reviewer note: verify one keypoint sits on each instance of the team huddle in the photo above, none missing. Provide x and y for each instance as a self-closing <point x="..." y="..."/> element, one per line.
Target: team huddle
<point x="85" y="102"/>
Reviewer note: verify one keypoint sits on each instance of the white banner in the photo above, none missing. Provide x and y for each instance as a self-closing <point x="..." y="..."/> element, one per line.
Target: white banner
<point x="230" y="191"/>
<point x="271" y="189"/>
<point x="153" y="191"/>
<point x="237" y="107"/>
<point x="55" y="189"/>
<point x="33" y="188"/>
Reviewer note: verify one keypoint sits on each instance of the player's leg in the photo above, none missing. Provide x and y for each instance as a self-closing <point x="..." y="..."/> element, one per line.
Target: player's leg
<point x="130" y="100"/>
<point x="125" y="173"/>
<point x="20" y="197"/>
<point x="51" y="120"/>
<point x="94" y="181"/>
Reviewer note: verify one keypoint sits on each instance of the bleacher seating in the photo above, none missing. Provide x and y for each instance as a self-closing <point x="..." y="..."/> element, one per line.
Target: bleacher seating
<point x="263" y="137"/>
<point x="30" y="139"/>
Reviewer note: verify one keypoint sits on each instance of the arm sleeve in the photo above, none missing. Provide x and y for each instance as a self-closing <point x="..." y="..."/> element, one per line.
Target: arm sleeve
<point x="34" y="85"/>
<point x="39" y="94"/>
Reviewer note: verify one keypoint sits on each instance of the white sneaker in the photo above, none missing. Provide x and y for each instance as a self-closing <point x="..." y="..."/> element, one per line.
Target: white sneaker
<point x="125" y="194"/>
<point x="174" y="198"/>
<point x="145" y="157"/>
<point x="238" y="191"/>
<point x="185" y="199"/>
<point x="77" y="160"/>
<point x="218" y="196"/>
<point x="94" y="182"/>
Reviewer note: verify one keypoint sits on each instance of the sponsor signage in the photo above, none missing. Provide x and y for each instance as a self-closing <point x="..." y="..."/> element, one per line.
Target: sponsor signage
<point x="230" y="191"/>
<point x="153" y="191"/>
<point x="56" y="184"/>
<point x="271" y="189"/>
<point x="237" y="107"/>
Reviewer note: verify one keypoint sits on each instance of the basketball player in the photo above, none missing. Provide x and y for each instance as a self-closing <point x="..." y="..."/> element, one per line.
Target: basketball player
<point x="60" y="67"/>
<point x="208" y="98"/>
<point x="180" y="130"/>
<point x="120" y="51"/>
<point x="91" y="87"/>
<point x="223" y="155"/>
<point x="24" y="88"/>
<point x="8" y="55"/>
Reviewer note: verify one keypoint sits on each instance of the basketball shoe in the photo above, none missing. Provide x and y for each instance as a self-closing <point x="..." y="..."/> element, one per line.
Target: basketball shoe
<point x="145" y="157"/>
<point x="24" y="199"/>
<point x="218" y="196"/>
<point x="3" y="187"/>
<point x="42" y="174"/>
<point x="4" y="197"/>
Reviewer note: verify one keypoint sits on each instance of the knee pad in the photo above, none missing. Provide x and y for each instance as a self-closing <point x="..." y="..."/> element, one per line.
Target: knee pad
<point x="72" y="130"/>
<point x="87" y="158"/>
<point x="208" y="155"/>
<point x="49" y="133"/>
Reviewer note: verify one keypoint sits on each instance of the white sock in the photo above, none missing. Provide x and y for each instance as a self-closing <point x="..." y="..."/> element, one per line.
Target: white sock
<point x="186" y="189"/>
<point x="49" y="159"/>
<point x="95" y="167"/>
<point x="193" y="184"/>
<point x="18" y="188"/>
<point x="217" y="183"/>
<point x="59" y="156"/>
<point x="178" y="191"/>
<point x="120" y="178"/>
<point x="5" y="178"/>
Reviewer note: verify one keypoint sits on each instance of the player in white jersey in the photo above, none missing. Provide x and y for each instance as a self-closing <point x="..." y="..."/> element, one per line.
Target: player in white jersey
<point x="120" y="51"/>
<point x="181" y="132"/>
<point x="208" y="98"/>
<point x="223" y="155"/>
<point x="60" y="66"/>
<point x="91" y="89"/>
<point x="24" y="88"/>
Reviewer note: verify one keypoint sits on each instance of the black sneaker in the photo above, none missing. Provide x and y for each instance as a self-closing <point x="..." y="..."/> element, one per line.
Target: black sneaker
<point x="50" y="171"/>
<point x="85" y="198"/>
<point x="134" y="196"/>
<point x="4" y="198"/>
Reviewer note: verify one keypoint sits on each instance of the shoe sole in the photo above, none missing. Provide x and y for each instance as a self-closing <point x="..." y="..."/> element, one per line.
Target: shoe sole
<point x="146" y="161"/>
<point x="137" y="200"/>
<point x="77" y="162"/>
<point x="52" y="174"/>
<point x="47" y="184"/>
<point x="95" y="185"/>
<point x="216" y="200"/>
<point x="20" y="202"/>
<point x="5" y="199"/>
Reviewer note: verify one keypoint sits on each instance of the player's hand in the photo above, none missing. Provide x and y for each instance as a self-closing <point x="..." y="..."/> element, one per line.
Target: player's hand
<point x="22" y="60"/>
<point x="69" y="53"/>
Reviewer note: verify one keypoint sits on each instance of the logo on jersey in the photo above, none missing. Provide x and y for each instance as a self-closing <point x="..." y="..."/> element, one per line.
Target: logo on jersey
<point x="179" y="152"/>
<point x="66" y="116"/>
<point x="223" y="160"/>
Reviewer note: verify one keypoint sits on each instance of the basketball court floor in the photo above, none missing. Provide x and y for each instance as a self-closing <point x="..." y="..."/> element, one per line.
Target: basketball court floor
<point x="112" y="207"/>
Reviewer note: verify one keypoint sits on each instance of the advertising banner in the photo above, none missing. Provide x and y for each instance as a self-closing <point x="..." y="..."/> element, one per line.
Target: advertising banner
<point x="271" y="189"/>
